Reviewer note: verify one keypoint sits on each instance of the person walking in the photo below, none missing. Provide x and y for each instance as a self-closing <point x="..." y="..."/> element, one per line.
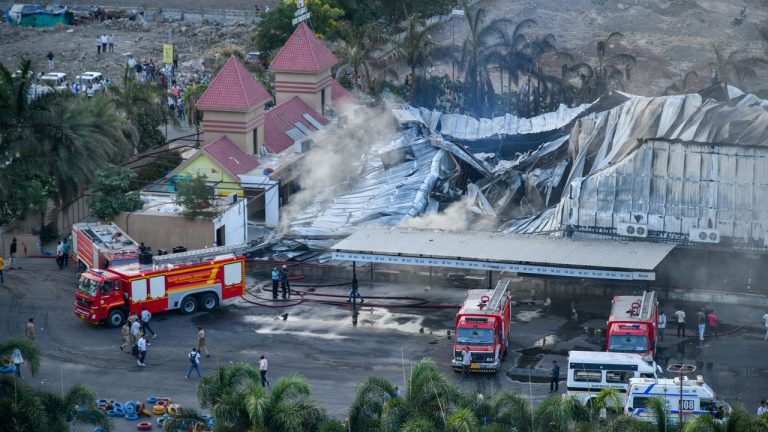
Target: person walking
<point x="263" y="368"/>
<point x="29" y="332"/>
<point x="65" y="248"/>
<point x="145" y="317"/>
<point x="135" y="332"/>
<point x="49" y="56"/>
<point x="554" y="382"/>
<point x="98" y="45"/>
<point x="125" y="336"/>
<point x="284" y="282"/>
<point x="702" y="318"/>
<point x="17" y="360"/>
<point x="762" y="408"/>
<point x="275" y="282"/>
<point x="2" y="266"/>
<point x="680" y="316"/>
<point x="712" y="323"/>
<point x="142" y="345"/>
<point x="353" y="292"/>
<point x="111" y="42"/>
<point x="466" y="362"/>
<point x="180" y="106"/>
<point x="104" y="42"/>
<point x="59" y="254"/>
<point x="14" y="249"/>
<point x="662" y="324"/>
<point x="201" y="342"/>
<point x="194" y="363"/>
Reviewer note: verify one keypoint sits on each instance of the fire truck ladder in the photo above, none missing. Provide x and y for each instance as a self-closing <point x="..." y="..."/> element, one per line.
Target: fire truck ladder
<point x="498" y="295"/>
<point x="646" y="307"/>
<point x="199" y="255"/>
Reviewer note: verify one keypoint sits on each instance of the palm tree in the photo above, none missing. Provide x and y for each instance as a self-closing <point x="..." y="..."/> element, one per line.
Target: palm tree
<point x="610" y="70"/>
<point x="558" y="414"/>
<point x="738" y="420"/>
<point x="682" y="86"/>
<point x="186" y="418"/>
<point x="734" y="67"/>
<point x="512" y="410"/>
<point x="360" y="51"/>
<point x="239" y="402"/>
<point x="415" y="47"/>
<point x="477" y="51"/>
<point x="29" y="351"/>
<point x="144" y="106"/>
<point x="25" y="408"/>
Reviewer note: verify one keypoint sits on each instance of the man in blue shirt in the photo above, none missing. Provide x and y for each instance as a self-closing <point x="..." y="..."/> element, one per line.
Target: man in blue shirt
<point x="275" y="281"/>
<point x="65" y="248"/>
<point x="553" y="383"/>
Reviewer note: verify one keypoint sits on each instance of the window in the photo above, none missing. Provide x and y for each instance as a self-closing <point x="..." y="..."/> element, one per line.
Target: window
<point x="322" y="101"/>
<point x="256" y="141"/>
<point x="586" y="375"/>
<point x="157" y="287"/>
<point x="628" y="344"/>
<point x="647" y="375"/>
<point x="233" y="273"/>
<point x="474" y="336"/>
<point x="139" y="290"/>
<point x="618" y="377"/>
<point x="640" y="402"/>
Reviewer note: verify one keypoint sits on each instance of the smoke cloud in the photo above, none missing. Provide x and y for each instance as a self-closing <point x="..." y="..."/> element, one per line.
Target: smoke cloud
<point x="336" y="158"/>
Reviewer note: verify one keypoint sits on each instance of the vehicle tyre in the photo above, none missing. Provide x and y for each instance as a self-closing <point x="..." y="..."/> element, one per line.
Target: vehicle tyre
<point x="116" y="318"/>
<point x="189" y="305"/>
<point x="158" y="409"/>
<point x="144" y="426"/>
<point x="208" y="302"/>
<point x="131" y="417"/>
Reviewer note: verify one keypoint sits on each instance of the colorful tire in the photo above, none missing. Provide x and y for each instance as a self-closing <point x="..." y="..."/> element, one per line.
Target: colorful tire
<point x="162" y="402"/>
<point x="117" y="405"/>
<point x="158" y="409"/>
<point x="131" y="417"/>
<point x="145" y="412"/>
<point x="162" y="420"/>
<point x="130" y="407"/>
<point x="98" y="429"/>
<point x="144" y="426"/>
<point x="172" y="409"/>
<point x="7" y="369"/>
<point x="112" y="413"/>
<point x="151" y="399"/>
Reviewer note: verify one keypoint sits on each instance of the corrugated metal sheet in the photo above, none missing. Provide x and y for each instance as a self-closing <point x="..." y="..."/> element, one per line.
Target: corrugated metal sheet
<point x="506" y="248"/>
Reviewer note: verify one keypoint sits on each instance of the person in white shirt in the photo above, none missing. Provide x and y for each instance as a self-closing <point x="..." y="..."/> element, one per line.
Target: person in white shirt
<point x="17" y="360"/>
<point x="145" y="317"/>
<point x="60" y="255"/>
<point x="194" y="363"/>
<point x="662" y="324"/>
<point x="762" y="408"/>
<point x="142" y="344"/>
<point x="466" y="362"/>
<point x="765" y="319"/>
<point x="135" y="330"/>
<point x="680" y="315"/>
<point x="263" y="366"/>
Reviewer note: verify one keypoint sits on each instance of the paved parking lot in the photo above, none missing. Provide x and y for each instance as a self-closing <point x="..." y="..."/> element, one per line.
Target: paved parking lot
<point x="335" y="348"/>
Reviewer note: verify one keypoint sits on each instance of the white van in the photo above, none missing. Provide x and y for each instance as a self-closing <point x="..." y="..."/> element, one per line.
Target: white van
<point x="697" y="397"/>
<point x="589" y="372"/>
<point x="89" y="78"/>
<point x="56" y="80"/>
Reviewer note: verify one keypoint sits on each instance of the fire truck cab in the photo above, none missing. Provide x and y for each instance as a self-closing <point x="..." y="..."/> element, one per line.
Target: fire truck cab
<point x="633" y="326"/>
<point x="482" y="326"/>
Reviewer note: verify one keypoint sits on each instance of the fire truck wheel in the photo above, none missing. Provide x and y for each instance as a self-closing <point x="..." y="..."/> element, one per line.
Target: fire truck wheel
<point x="189" y="305"/>
<point x="116" y="318"/>
<point x="208" y="302"/>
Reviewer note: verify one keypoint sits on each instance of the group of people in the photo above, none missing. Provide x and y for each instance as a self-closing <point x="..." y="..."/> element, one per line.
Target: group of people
<point x="62" y="253"/>
<point x="707" y="323"/>
<point x="176" y="103"/>
<point x="104" y="43"/>
<point x="280" y="278"/>
<point x="134" y="335"/>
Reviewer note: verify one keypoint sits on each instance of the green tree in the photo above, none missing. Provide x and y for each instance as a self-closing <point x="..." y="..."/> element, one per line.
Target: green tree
<point x="416" y="49"/>
<point x="738" y="420"/>
<point x="512" y="410"/>
<point x="239" y="402"/>
<point x="27" y="409"/>
<point x="275" y="27"/>
<point x="29" y="351"/>
<point x="359" y="52"/>
<point x="112" y="193"/>
<point x="608" y="72"/>
<point x="187" y="419"/>
<point x="559" y="414"/>
<point x="145" y="107"/>
<point x="195" y="197"/>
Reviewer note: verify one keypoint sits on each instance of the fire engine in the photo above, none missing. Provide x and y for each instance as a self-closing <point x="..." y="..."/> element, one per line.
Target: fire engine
<point x="482" y="326"/>
<point x="98" y="246"/>
<point x="187" y="281"/>
<point x="633" y="326"/>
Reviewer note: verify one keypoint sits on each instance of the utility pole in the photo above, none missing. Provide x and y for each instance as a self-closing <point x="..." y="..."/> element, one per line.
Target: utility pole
<point x="682" y="370"/>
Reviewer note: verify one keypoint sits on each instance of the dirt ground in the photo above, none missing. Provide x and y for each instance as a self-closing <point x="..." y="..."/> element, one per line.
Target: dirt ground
<point x="669" y="38"/>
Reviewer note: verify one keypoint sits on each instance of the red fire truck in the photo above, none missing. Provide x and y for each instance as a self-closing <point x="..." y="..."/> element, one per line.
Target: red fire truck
<point x="97" y="246"/>
<point x="633" y="326"/>
<point x="482" y="326"/>
<point x="188" y="281"/>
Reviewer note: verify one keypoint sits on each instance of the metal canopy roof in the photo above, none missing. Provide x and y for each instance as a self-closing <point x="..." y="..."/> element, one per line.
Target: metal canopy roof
<point x="508" y="252"/>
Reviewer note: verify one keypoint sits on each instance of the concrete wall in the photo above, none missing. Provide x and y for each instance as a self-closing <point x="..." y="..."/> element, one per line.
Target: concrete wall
<point x="306" y="86"/>
<point x="26" y="245"/>
<point x="238" y="126"/>
<point x="167" y="231"/>
<point x="235" y="223"/>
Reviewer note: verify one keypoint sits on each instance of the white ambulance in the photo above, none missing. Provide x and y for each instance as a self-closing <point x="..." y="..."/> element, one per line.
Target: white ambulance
<point x="589" y="372"/>
<point x="697" y="398"/>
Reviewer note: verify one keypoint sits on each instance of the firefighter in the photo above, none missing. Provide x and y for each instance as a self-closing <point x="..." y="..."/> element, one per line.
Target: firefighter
<point x="275" y="281"/>
<point x="126" y="336"/>
<point x="201" y="342"/>
<point x="284" y="281"/>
